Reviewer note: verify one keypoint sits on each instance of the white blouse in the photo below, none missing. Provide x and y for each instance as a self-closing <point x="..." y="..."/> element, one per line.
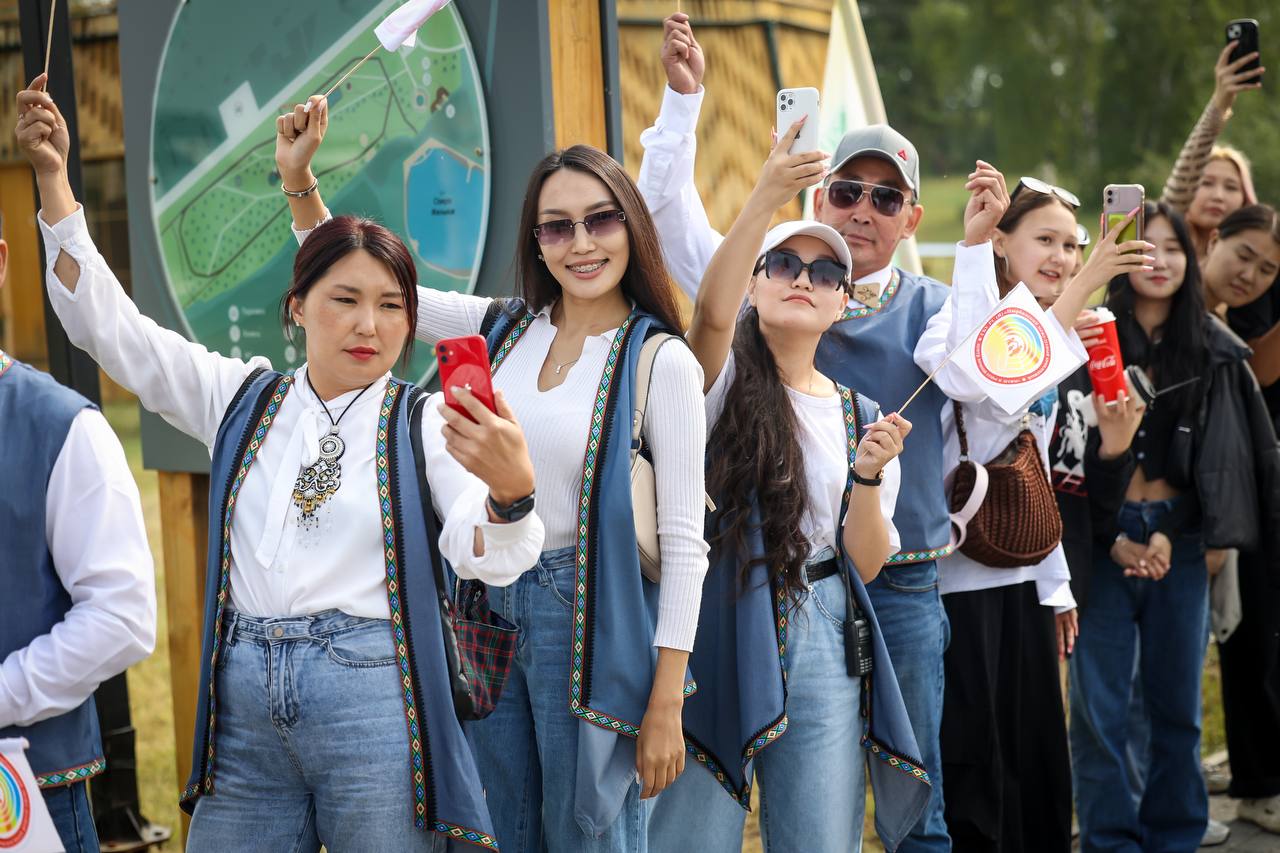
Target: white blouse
<point x="824" y="441"/>
<point x="280" y="566"/>
<point x="555" y="424"/>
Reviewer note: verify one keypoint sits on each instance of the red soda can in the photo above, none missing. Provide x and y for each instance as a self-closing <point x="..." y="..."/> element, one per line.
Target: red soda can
<point x="1106" y="365"/>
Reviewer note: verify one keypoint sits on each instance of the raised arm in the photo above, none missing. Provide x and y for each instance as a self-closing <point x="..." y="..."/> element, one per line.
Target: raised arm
<point x="1106" y="261"/>
<point x="1229" y="81"/>
<point x="715" y="310"/>
<point x="670" y="149"/>
<point x="181" y="381"/>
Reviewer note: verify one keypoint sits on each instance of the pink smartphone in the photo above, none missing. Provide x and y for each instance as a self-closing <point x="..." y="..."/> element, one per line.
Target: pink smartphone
<point x="464" y="362"/>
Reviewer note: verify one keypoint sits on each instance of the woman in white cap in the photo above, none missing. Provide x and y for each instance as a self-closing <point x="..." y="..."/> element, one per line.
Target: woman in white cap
<point x="787" y="634"/>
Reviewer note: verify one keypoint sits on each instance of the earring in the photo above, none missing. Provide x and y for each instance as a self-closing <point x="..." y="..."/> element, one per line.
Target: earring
<point x="540" y="257"/>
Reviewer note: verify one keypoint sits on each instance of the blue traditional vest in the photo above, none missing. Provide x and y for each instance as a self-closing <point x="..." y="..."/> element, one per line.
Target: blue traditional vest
<point x="872" y="349"/>
<point x="440" y="767"/>
<point x="35" y="417"/>
<point x="740" y="662"/>
<point x="615" y="610"/>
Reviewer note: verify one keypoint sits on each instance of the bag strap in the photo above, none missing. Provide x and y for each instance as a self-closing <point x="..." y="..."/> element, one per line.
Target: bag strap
<point x="644" y="376"/>
<point x="499" y="309"/>
<point x="418" y="404"/>
<point x="960" y="433"/>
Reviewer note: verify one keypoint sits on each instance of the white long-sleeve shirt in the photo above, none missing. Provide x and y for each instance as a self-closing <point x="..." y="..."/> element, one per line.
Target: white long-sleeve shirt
<point x="280" y="566"/>
<point x="98" y="541"/>
<point x="989" y="429"/>
<point x="555" y="424"/>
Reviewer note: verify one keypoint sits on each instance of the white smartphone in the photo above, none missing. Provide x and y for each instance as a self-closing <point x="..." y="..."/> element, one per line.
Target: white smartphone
<point x="1117" y="201"/>
<point x="792" y="104"/>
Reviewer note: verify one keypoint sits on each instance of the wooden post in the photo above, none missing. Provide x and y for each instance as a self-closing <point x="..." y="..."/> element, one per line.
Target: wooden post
<point x="21" y="302"/>
<point x="577" y="72"/>
<point x="184" y="513"/>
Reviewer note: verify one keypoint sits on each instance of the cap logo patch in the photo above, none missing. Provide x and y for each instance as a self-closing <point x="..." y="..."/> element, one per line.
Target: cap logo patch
<point x="902" y="152"/>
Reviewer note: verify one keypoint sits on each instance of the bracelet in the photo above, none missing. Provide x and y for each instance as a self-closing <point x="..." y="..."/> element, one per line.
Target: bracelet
<point x="863" y="481"/>
<point x="315" y="184"/>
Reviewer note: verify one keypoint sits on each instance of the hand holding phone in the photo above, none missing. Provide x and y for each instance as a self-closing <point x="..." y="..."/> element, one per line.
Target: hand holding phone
<point x="464" y="363"/>
<point x="1244" y="32"/>
<point x="1117" y="202"/>
<point x="794" y="104"/>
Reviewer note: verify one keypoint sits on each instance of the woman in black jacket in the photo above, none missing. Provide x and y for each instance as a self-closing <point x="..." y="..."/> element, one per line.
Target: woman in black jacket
<point x="1202" y="469"/>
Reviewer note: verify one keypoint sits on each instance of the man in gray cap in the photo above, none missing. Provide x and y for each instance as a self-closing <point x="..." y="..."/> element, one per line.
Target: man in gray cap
<point x="872" y="197"/>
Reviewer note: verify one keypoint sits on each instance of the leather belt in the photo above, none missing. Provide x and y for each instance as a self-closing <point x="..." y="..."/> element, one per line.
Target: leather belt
<point x="821" y="571"/>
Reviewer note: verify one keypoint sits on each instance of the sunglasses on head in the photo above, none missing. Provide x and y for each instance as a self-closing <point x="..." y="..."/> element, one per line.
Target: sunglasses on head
<point x="824" y="273"/>
<point x="1038" y="186"/>
<point x="599" y="224"/>
<point x="887" y="201"/>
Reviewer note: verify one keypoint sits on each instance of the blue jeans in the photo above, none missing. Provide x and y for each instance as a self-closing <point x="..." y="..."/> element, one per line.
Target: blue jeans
<point x="812" y="779"/>
<point x="1162" y="624"/>
<point x="915" y="628"/>
<point x="312" y="743"/>
<point x="69" y="808"/>
<point x="527" y="748"/>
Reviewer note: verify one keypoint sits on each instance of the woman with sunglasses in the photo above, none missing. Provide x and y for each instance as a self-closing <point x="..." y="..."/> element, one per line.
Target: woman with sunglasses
<point x="1240" y="272"/>
<point x="1003" y="720"/>
<point x="589" y="724"/>
<point x="805" y="476"/>
<point x="1209" y="181"/>
<point x="1202" y="472"/>
<point x="325" y="711"/>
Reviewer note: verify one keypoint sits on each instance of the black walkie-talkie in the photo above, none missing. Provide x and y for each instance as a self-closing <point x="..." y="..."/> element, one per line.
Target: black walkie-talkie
<point x="858" y="656"/>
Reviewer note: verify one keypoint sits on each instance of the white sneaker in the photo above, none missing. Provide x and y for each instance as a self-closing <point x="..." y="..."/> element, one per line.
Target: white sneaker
<point x="1265" y="813"/>
<point x="1215" y="833"/>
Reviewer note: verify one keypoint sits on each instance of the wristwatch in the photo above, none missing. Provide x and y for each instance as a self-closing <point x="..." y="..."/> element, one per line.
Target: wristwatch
<point x="513" y="511"/>
<point x="863" y="481"/>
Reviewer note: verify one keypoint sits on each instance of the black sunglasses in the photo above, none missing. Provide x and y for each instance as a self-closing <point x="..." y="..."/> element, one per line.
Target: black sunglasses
<point x="1038" y="186"/>
<point x="824" y="273"/>
<point x="600" y="224"/>
<point x="887" y="201"/>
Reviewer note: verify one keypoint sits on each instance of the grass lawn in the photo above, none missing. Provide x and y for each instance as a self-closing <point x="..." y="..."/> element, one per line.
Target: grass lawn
<point x="152" y="708"/>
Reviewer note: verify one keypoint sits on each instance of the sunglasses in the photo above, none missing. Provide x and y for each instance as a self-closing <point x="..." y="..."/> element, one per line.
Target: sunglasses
<point x="600" y="224"/>
<point x="824" y="274"/>
<point x="887" y="201"/>
<point x="1038" y="186"/>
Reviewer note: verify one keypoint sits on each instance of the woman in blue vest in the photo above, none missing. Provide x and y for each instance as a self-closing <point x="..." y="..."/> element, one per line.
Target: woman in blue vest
<point x="806" y="476"/>
<point x="325" y="714"/>
<point x="1003" y="718"/>
<point x="590" y="722"/>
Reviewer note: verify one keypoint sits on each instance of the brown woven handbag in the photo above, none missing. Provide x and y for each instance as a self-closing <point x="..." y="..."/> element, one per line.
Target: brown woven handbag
<point x="1003" y="514"/>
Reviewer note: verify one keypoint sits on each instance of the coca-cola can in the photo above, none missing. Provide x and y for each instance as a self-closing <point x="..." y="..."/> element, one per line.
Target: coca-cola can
<point x="1106" y="365"/>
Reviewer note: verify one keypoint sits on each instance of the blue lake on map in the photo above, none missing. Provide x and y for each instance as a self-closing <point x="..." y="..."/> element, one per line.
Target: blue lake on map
<point x="444" y="211"/>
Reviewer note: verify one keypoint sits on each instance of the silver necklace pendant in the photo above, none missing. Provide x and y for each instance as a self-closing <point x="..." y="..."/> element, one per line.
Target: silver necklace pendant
<point x="320" y="480"/>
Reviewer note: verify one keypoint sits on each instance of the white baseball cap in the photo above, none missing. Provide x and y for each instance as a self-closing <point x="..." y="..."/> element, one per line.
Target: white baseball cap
<point x="779" y="234"/>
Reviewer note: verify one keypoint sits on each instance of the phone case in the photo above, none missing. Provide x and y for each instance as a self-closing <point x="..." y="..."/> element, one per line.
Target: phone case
<point x="464" y="362"/>
<point x="1244" y="31"/>
<point x="792" y="104"/>
<point x="1117" y="201"/>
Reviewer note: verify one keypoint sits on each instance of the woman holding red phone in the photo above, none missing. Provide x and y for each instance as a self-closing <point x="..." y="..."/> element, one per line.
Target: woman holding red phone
<point x="325" y="712"/>
<point x="589" y="724"/>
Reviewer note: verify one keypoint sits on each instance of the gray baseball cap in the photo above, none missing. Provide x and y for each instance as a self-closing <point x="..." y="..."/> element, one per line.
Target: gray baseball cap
<point x="880" y="140"/>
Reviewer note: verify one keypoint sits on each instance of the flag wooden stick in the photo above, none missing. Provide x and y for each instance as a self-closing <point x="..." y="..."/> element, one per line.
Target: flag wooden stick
<point x="48" y="45"/>
<point x="929" y="378"/>
<point x="344" y="77"/>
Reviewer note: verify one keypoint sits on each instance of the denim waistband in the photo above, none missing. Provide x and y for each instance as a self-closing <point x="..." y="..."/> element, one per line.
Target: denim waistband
<point x="268" y="628"/>
<point x="558" y="558"/>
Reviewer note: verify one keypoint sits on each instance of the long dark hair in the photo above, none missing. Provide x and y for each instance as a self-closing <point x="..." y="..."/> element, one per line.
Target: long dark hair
<point x="754" y="452"/>
<point x="645" y="281"/>
<point x="332" y="241"/>
<point x="1179" y="352"/>
<point x="1022" y="204"/>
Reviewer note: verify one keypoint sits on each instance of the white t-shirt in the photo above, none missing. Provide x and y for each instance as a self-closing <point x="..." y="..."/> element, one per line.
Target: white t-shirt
<point x="826" y="460"/>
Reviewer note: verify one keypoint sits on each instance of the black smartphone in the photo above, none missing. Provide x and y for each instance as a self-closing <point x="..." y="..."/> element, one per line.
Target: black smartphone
<point x="1244" y="31"/>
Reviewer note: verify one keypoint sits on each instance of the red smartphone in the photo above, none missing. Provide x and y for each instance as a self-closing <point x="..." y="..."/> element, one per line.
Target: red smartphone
<point x="464" y="362"/>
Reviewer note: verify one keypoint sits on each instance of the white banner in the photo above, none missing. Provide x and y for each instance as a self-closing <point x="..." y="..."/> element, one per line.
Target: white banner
<point x="25" y="825"/>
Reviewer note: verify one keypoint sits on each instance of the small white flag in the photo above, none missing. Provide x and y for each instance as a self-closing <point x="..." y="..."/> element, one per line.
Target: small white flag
<point x="25" y="825"/>
<point x="401" y="26"/>
<point x="1019" y="352"/>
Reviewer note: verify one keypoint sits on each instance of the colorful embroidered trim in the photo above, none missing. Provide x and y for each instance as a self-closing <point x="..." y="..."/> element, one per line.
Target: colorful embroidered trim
<point x="224" y="572"/>
<point x="919" y="556"/>
<point x="5" y="362"/>
<point x="851" y="441"/>
<point x="510" y="341"/>
<point x="391" y="559"/>
<point x="890" y="290"/>
<point x="462" y="833"/>
<point x="74" y="774"/>
<point x="897" y="762"/>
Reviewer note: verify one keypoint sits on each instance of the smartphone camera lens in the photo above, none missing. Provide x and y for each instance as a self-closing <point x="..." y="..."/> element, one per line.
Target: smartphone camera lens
<point x="444" y="359"/>
<point x="790" y="102"/>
